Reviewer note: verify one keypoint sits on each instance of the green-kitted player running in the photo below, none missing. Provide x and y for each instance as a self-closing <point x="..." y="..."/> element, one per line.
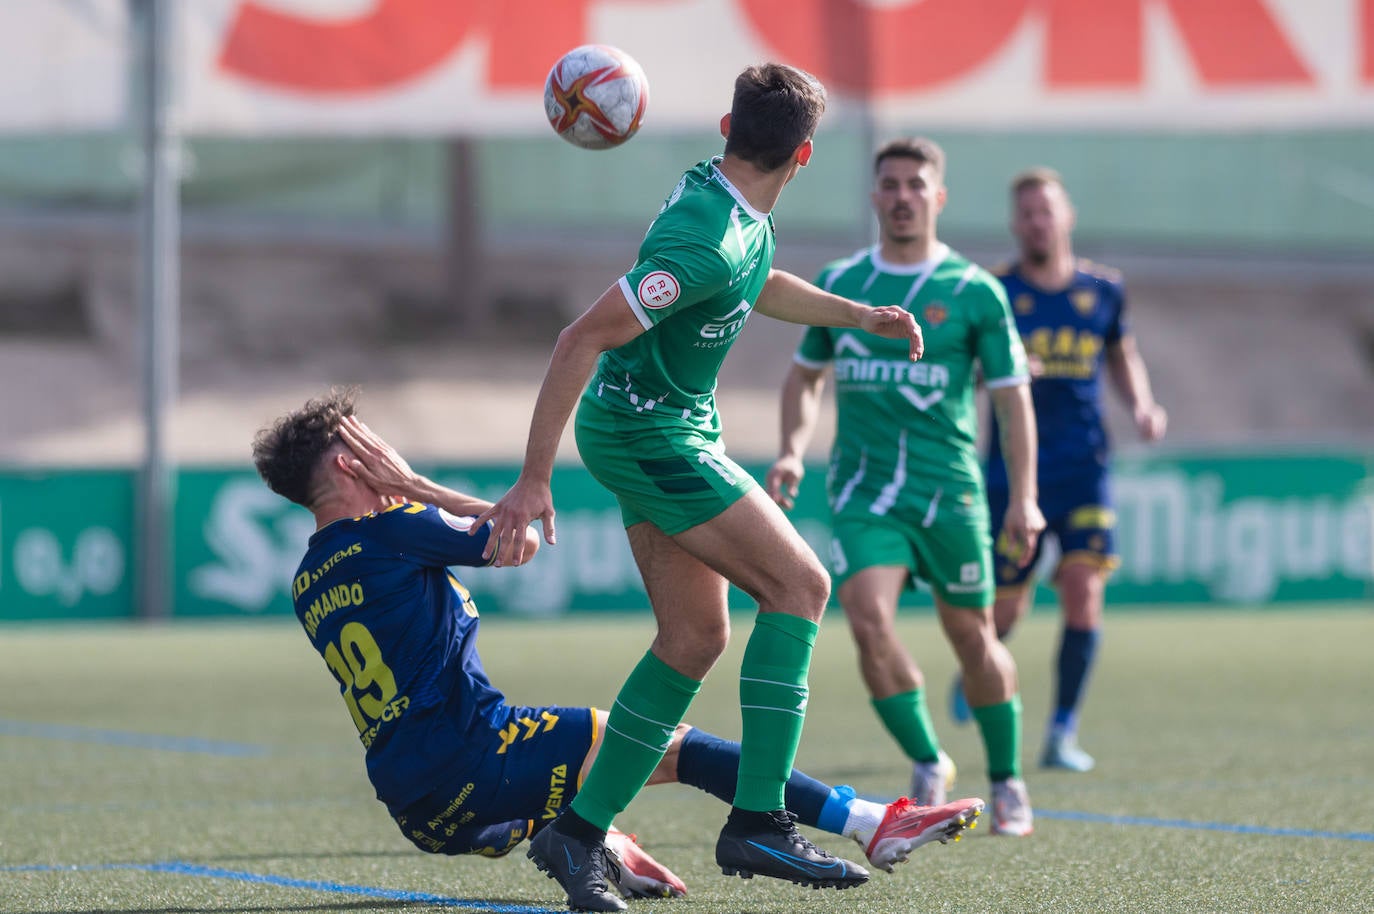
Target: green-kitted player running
<point x="906" y="489"/>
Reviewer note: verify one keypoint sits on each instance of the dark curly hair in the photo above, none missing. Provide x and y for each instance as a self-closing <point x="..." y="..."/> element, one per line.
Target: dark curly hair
<point x="288" y="453"/>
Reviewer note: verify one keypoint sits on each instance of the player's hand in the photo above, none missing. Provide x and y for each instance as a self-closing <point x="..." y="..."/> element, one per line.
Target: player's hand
<point x="1151" y="421"/>
<point x="1035" y="366"/>
<point x="526" y="501"/>
<point x="1021" y="529"/>
<point x="783" y="480"/>
<point x="895" y="322"/>
<point x="377" y="463"/>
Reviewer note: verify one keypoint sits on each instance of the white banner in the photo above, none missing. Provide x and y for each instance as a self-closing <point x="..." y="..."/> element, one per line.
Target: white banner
<point x="464" y="66"/>
<point x="63" y="64"/>
<point x="478" y="66"/>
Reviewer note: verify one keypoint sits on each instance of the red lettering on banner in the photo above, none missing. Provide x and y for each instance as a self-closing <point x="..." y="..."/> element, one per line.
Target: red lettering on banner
<point x="1367" y="44"/>
<point x="1237" y="43"/>
<point x="1093" y="44"/>
<point x="856" y="46"/>
<point x="527" y="36"/>
<point x="852" y="45"/>
<point x="398" y="41"/>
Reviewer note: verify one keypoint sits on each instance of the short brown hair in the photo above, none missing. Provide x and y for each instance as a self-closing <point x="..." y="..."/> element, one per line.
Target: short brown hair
<point x="775" y="109"/>
<point x="288" y="453"/>
<point x="917" y="148"/>
<point x="1038" y="176"/>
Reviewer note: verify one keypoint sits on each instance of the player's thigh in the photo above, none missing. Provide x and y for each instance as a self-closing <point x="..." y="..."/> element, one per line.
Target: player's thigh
<point x="673" y="477"/>
<point x="874" y="590"/>
<point x="1082" y="590"/>
<point x="1085" y="524"/>
<point x="754" y="546"/>
<point x="526" y="769"/>
<point x="869" y="598"/>
<point x="1011" y="605"/>
<point x="689" y="600"/>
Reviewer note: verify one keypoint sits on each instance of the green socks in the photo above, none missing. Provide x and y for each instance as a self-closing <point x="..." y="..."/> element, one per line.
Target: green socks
<point x="907" y="718"/>
<point x="655" y="697"/>
<point x="651" y="704"/>
<point x="1000" y="725"/>
<point x="773" y="695"/>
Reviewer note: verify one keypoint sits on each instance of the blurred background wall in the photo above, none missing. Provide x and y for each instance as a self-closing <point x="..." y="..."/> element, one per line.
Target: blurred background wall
<point x="1221" y="154"/>
<point x="1246" y="255"/>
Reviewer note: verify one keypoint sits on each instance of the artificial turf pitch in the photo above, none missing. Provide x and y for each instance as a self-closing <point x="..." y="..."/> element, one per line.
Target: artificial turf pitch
<point x="212" y="767"/>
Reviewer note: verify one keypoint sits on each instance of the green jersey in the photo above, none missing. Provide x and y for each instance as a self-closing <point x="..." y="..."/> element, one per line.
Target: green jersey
<point x="701" y="266"/>
<point x="907" y="430"/>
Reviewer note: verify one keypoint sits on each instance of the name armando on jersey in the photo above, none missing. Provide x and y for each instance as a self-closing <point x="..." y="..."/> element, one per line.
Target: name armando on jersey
<point x="336" y="597"/>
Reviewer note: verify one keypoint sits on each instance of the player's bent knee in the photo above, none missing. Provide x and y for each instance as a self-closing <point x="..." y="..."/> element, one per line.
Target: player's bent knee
<point x="692" y="652"/>
<point x="973" y="643"/>
<point x="871" y="630"/>
<point x="811" y="589"/>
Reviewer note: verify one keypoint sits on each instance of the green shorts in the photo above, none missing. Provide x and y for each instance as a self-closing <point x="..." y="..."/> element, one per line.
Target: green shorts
<point x="953" y="555"/>
<point x="673" y="476"/>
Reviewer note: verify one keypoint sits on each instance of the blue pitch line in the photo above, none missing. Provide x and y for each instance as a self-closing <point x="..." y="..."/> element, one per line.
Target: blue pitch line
<point x="1205" y="826"/>
<point x="129" y="739"/>
<point x="315" y="885"/>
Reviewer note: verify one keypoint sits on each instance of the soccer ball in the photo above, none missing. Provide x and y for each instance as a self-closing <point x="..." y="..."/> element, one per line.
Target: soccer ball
<point x="595" y="96"/>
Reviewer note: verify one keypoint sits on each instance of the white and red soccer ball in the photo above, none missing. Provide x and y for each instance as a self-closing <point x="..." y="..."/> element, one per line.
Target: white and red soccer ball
<point x="595" y="96"/>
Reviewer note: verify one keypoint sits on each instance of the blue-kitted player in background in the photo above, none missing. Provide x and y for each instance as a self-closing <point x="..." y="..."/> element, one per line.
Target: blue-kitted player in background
<point x="459" y="769"/>
<point x="1072" y="318"/>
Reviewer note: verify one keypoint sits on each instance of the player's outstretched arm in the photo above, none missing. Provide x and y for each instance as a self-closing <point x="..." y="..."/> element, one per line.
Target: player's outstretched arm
<point x="605" y="325"/>
<point x="788" y="297"/>
<point x="1016" y="421"/>
<point x="800" y="409"/>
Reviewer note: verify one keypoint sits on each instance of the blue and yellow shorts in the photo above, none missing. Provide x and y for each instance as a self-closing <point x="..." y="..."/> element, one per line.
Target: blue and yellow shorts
<point x="525" y="776"/>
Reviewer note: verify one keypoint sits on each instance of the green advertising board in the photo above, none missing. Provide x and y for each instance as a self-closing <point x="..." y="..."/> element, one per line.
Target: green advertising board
<point x="65" y="544"/>
<point x="1206" y="528"/>
<point x="1244" y="529"/>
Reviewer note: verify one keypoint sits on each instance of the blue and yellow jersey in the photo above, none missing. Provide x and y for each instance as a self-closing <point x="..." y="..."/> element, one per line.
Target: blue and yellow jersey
<point x="399" y="631"/>
<point x="1067" y="331"/>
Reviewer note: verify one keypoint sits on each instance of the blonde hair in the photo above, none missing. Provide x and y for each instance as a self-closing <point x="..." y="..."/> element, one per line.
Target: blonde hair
<point x="1038" y="176"/>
